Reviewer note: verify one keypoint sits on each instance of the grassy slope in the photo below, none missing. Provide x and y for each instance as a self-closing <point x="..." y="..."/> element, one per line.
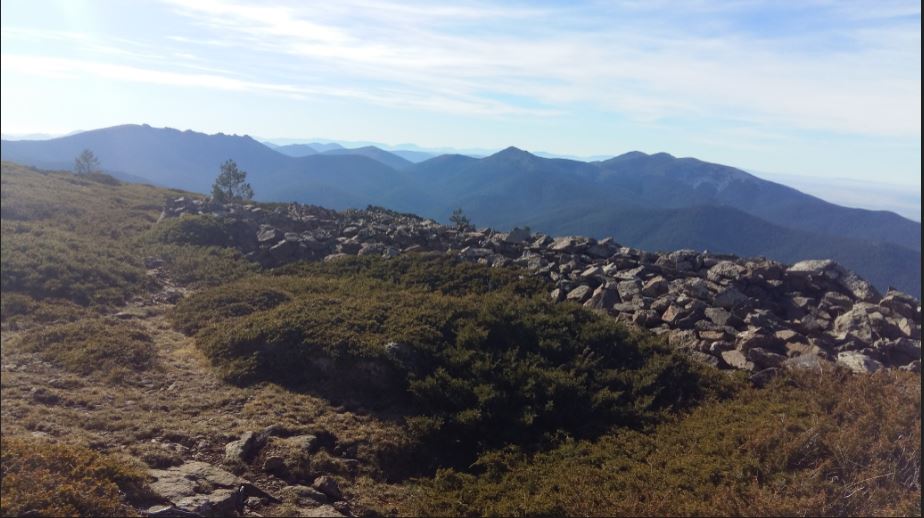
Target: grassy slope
<point x="491" y="357"/>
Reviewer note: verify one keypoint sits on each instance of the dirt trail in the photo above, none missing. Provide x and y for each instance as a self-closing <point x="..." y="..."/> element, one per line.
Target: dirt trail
<point x="177" y="411"/>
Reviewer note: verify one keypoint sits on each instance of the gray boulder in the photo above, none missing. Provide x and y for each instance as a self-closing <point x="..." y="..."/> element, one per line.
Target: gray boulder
<point x="764" y="359"/>
<point x="303" y="495"/>
<point x="242" y="449"/>
<point x="858" y="362"/>
<point x="655" y="287"/>
<point x="816" y="268"/>
<point x="628" y="290"/>
<point x="603" y="298"/>
<point x="517" y="235"/>
<point x="579" y="294"/>
<point x="328" y="486"/>
<point x="737" y="360"/>
<point x="806" y="362"/>
<point x="268" y="235"/>
<point x="856" y="324"/>
<point x="859" y="288"/>
<point x="724" y="272"/>
<point x="718" y="316"/>
<point x="198" y="487"/>
<point x="730" y="298"/>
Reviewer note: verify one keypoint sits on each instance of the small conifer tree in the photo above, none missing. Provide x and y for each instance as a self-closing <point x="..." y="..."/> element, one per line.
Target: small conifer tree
<point x="231" y="184"/>
<point x="460" y="220"/>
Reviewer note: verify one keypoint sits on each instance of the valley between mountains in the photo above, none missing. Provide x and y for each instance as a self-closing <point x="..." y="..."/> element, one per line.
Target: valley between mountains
<point x="166" y="355"/>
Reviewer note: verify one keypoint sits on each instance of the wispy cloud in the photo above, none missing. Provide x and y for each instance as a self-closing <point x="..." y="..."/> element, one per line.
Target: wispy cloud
<point x="629" y="62"/>
<point x="848" y="67"/>
<point x="72" y="68"/>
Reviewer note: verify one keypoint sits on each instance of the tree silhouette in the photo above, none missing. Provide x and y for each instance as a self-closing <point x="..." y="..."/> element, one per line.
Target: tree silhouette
<point x="231" y="184"/>
<point x="460" y="220"/>
<point x="86" y="163"/>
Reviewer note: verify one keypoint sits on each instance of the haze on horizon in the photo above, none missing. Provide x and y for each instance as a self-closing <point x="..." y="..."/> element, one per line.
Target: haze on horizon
<point x="815" y="89"/>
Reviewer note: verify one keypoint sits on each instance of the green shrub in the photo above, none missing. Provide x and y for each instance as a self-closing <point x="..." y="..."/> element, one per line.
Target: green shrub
<point x="93" y="346"/>
<point x="45" y="262"/>
<point x="217" y="306"/>
<point x="22" y="311"/>
<point x="429" y="271"/>
<point x="191" y="230"/>
<point x="480" y="365"/>
<point x="42" y="478"/>
<point x="200" y="266"/>
<point x="808" y="446"/>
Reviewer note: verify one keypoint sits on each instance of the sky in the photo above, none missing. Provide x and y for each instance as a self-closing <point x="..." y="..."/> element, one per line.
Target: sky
<point x="814" y="88"/>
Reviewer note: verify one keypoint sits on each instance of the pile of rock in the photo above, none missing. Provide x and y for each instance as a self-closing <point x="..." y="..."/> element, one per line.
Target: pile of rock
<point x="753" y="314"/>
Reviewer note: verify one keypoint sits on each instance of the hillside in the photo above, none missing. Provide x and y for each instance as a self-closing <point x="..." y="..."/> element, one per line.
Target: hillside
<point x="663" y="181"/>
<point x="206" y="359"/>
<point x="188" y="160"/>
<point x="642" y="200"/>
<point x="406" y="382"/>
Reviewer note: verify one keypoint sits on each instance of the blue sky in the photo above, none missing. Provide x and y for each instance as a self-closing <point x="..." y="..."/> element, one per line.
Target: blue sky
<point x="828" y="89"/>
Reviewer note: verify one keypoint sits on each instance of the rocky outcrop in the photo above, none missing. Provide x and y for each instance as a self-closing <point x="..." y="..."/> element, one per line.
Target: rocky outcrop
<point x="200" y="489"/>
<point x="753" y="314"/>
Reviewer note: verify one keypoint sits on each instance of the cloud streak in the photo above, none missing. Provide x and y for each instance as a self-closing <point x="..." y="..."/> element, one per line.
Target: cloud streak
<point x="644" y="69"/>
<point x="841" y="67"/>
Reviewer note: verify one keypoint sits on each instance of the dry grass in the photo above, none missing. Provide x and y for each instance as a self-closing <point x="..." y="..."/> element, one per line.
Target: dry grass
<point x="42" y="478"/>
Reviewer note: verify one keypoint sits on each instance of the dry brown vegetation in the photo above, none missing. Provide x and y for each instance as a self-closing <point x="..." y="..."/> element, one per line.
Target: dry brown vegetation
<point x="42" y="478"/>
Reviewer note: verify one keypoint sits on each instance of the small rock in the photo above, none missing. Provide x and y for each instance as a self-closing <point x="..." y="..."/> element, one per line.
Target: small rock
<point x="655" y="287"/>
<point x="322" y="511"/>
<point x="602" y="298"/>
<point x="579" y="294"/>
<point x="806" y="362"/>
<point x="858" y="362"/>
<point x="242" y="449"/>
<point x="169" y="511"/>
<point x="328" y="486"/>
<point x="303" y="494"/>
<point x="718" y="316"/>
<point x="736" y="359"/>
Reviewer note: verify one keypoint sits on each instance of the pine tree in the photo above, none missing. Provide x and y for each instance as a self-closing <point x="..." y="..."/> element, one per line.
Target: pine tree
<point x="460" y="220"/>
<point x="231" y="184"/>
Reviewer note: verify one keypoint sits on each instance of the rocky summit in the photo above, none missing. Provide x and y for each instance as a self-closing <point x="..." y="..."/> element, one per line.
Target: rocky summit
<point x="752" y="314"/>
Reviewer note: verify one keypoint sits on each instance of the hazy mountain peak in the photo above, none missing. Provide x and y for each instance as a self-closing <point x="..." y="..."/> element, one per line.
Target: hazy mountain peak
<point x="513" y="150"/>
<point x="513" y="153"/>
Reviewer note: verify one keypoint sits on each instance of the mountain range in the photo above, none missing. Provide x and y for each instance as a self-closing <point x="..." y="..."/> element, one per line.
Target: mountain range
<point x="655" y="201"/>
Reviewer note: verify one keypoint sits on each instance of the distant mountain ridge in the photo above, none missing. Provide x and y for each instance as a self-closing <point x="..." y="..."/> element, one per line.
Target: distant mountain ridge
<point x="398" y="158"/>
<point x="649" y="201"/>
